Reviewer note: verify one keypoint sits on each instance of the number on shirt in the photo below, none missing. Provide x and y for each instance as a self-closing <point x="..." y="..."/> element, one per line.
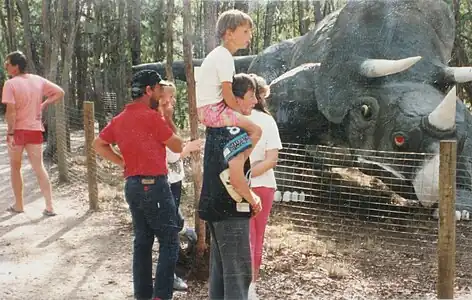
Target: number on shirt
<point x="234" y="130"/>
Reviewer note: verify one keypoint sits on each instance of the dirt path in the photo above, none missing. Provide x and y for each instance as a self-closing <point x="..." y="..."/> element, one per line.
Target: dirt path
<point x="74" y="255"/>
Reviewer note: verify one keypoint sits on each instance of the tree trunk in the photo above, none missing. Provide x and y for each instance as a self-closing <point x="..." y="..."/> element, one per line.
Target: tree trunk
<point x="121" y="93"/>
<point x="459" y="54"/>
<point x="52" y="47"/>
<point x="98" y="89"/>
<point x="159" y="31"/>
<point x="269" y="23"/>
<point x="170" y="39"/>
<point x="317" y="8"/>
<point x="134" y="30"/>
<point x="201" y="266"/>
<point x="210" y="9"/>
<point x="23" y="8"/>
<point x="66" y="104"/>
<point x="11" y="40"/>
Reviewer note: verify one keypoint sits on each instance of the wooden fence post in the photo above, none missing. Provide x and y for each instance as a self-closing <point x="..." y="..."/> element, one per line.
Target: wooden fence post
<point x="447" y="220"/>
<point x="89" y="129"/>
<point x="61" y="142"/>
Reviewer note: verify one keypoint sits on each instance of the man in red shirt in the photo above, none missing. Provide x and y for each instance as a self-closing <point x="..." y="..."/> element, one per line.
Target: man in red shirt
<point x="142" y="135"/>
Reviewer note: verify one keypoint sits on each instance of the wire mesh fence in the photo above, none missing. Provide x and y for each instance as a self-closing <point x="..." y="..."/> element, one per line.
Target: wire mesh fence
<point x="353" y="192"/>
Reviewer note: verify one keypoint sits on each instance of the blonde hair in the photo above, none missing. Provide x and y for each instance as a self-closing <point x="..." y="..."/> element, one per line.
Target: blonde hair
<point x="168" y="85"/>
<point x="230" y="20"/>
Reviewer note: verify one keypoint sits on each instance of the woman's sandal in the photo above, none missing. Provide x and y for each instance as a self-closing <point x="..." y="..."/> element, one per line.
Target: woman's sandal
<point x="48" y="213"/>
<point x="12" y="209"/>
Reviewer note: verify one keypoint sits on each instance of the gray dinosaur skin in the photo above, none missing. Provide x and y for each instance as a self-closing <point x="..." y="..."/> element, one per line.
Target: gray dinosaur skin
<point x="324" y="100"/>
<point x="318" y="95"/>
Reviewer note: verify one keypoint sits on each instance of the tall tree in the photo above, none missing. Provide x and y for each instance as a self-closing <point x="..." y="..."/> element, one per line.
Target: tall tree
<point x="269" y="22"/>
<point x="11" y="25"/>
<point x="170" y="39"/>
<point x="196" y="159"/>
<point x="134" y="30"/>
<point x="23" y="8"/>
<point x="317" y="11"/>
<point x="210" y="9"/>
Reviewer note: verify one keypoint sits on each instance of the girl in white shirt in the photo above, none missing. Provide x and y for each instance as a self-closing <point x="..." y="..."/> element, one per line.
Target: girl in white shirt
<point x="263" y="159"/>
<point x="175" y="167"/>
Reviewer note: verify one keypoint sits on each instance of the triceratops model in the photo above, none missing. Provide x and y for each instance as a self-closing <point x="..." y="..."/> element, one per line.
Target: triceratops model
<point x="373" y="75"/>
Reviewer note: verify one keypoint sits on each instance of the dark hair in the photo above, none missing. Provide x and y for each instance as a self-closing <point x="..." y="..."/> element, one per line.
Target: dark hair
<point x="17" y="58"/>
<point x="242" y="83"/>
<point x="141" y="80"/>
<point x="261" y="104"/>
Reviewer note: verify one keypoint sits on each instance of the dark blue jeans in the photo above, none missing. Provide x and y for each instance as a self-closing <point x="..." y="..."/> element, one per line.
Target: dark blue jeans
<point x="176" y="189"/>
<point x="154" y="213"/>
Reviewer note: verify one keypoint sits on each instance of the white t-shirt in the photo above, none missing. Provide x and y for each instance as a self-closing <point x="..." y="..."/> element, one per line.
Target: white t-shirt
<point x="216" y="68"/>
<point x="270" y="140"/>
<point x="175" y="166"/>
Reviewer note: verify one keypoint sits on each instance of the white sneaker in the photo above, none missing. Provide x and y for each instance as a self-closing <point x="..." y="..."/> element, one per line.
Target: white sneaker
<point x="224" y="177"/>
<point x="252" y="295"/>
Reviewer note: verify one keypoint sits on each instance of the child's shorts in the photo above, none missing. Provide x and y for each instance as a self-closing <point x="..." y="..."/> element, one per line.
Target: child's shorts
<point x="217" y="115"/>
<point x="28" y="137"/>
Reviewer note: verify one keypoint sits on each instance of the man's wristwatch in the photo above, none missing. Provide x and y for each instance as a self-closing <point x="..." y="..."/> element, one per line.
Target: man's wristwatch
<point x="11" y="134"/>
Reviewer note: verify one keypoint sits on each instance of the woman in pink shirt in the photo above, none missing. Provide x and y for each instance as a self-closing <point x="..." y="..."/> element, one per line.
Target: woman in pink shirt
<point x="23" y="95"/>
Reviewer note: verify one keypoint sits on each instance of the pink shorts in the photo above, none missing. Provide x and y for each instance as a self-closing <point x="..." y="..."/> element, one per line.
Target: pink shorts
<point x="217" y="115"/>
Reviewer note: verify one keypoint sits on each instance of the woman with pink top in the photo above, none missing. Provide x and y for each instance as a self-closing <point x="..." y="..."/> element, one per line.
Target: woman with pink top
<point x="263" y="159"/>
<point x="23" y="94"/>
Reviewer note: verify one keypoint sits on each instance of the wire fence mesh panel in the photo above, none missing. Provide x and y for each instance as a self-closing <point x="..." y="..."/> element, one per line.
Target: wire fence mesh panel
<point x="380" y="204"/>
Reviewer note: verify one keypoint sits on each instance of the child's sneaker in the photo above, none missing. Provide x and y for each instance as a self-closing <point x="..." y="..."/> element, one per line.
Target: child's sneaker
<point x="224" y="177"/>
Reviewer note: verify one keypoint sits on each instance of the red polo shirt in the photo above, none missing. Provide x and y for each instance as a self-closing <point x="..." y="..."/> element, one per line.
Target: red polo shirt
<point x="140" y="133"/>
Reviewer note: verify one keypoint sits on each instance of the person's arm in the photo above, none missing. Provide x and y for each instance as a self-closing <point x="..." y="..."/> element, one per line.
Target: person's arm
<point x="8" y="98"/>
<point x="53" y="92"/>
<point x="228" y="96"/>
<point x="102" y="145"/>
<point x="174" y="143"/>
<point x="10" y="117"/>
<point x="104" y="149"/>
<point x="226" y="71"/>
<point x="190" y="147"/>
<point x="238" y="180"/>
<point x="270" y="161"/>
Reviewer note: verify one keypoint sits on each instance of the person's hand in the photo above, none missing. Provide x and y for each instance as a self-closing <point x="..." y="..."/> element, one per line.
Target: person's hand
<point x="10" y="142"/>
<point x="192" y="146"/>
<point x="195" y="145"/>
<point x="256" y="205"/>
<point x="167" y="108"/>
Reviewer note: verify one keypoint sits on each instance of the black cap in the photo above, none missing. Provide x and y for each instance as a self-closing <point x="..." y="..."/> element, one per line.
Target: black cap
<point x="142" y="79"/>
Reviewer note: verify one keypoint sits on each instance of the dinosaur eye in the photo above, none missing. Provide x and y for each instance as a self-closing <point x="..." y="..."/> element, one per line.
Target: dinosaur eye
<point x="399" y="140"/>
<point x="366" y="111"/>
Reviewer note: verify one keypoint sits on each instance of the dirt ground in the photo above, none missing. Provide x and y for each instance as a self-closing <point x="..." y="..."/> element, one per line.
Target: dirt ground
<point x="79" y="255"/>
